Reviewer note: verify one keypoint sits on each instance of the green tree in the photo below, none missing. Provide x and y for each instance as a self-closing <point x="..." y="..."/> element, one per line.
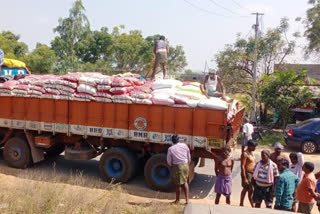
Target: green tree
<point x="95" y="46"/>
<point x="188" y="72"/>
<point x="282" y="92"/>
<point x="12" y="47"/>
<point x="176" y="59"/>
<point x="41" y="59"/>
<point x="313" y="26"/>
<point x="72" y="31"/>
<point x="235" y="62"/>
<point x="130" y="52"/>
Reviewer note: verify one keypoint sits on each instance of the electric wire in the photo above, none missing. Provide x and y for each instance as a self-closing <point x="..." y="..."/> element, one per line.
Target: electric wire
<point x="240" y="6"/>
<point x="204" y="10"/>
<point x="225" y="8"/>
<point x="211" y="12"/>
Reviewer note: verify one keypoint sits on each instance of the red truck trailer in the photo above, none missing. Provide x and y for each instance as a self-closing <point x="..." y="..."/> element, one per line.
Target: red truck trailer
<point x="33" y="128"/>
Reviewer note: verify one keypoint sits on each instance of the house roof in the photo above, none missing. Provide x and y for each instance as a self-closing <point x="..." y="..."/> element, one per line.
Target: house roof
<point x="313" y="70"/>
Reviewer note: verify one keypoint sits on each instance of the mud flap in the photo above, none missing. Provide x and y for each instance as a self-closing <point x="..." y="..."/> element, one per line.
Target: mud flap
<point x="37" y="154"/>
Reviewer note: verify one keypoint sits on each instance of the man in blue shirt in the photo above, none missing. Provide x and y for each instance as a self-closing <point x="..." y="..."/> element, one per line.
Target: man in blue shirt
<point x="286" y="186"/>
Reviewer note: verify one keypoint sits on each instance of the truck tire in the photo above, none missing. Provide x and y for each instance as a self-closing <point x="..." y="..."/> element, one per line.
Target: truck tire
<point x="157" y="173"/>
<point x="17" y="153"/>
<point x="118" y="165"/>
<point x="55" y="151"/>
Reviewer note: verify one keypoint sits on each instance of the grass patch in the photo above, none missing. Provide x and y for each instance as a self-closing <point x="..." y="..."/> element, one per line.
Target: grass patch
<point x="269" y="137"/>
<point x="36" y="197"/>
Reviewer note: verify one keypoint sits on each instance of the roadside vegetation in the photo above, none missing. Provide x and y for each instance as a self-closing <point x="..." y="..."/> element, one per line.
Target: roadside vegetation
<point x="20" y="195"/>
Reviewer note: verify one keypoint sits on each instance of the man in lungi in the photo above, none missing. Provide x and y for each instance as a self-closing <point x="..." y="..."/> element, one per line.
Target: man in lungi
<point x="179" y="158"/>
<point x="223" y="169"/>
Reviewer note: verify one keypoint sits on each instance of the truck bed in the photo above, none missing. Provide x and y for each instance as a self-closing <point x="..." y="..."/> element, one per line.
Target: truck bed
<point x="197" y="127"/>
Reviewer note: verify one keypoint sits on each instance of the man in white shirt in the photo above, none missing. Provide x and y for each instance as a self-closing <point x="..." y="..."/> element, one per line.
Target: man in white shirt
<point x="297" y="161"/>
<point x="247" y="133"/>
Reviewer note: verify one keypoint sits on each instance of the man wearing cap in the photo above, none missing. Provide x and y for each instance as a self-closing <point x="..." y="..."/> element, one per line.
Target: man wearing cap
<point x="179" y="158"/>
<point x="277" y="154"/>
<point x="211" y="84"/>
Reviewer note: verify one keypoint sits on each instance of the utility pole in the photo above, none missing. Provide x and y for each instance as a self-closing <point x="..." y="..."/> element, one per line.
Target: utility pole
<point x="254" y="88"/>
<point x="205" y="68"/>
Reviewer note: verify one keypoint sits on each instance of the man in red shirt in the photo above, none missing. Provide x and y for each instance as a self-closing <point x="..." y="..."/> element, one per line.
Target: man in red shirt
<point x="306" y="189"/>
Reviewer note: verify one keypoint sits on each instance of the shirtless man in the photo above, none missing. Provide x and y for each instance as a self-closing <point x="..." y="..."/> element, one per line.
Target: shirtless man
<point x="223" y="169"/>
<point x="248" y="162"/>
<point x="277" y="154"/>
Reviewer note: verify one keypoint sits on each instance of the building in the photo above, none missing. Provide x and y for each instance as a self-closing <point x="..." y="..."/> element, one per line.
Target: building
<point x="313" y="70"/>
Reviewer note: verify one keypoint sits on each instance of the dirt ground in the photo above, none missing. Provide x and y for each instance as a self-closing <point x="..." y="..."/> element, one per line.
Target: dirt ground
<point x="86" y="174"/>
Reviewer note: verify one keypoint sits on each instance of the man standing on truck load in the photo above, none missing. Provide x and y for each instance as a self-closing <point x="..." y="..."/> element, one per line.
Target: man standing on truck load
<point x="161" y="51"/>
<point x="248" y="161"/>
<point x="247" y="131"/>
<point x="265" y="176"/>
<point x="223" y="169"/>
<point x="179" y="158"/>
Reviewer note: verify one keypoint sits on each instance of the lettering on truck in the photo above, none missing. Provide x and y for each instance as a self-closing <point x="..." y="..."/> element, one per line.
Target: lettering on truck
<point x="12" y="71"/>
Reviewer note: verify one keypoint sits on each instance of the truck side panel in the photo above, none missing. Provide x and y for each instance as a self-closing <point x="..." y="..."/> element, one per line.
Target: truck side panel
<point x="6" y="111"/>
<point x="150" y="123"/>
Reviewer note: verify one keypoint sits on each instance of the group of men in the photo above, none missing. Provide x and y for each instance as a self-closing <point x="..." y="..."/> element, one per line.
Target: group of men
<point x="290" y="181"/>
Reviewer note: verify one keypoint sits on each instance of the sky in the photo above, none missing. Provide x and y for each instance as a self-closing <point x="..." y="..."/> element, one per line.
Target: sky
<point x="202" y="27"/>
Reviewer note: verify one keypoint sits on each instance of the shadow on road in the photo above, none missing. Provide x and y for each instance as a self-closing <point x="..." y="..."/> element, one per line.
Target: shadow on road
<point x="86" y="174"/>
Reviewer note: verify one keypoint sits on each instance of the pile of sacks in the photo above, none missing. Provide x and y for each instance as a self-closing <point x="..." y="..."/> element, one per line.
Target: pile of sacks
<point x="174" y="92"/>
<point x="123" y="88"/>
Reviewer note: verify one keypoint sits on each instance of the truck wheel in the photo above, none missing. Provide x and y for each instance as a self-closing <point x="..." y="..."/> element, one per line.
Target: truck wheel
<point x="55" y="150"/>
<point x="157" y="173"/>
<point x="118" y="165"/>
<point x="17" y="153"/>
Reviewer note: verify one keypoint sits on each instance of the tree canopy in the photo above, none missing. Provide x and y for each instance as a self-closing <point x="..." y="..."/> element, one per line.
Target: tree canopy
<point x="235" y="62"/>
<point x="313" y="26"/>
<point x="282" y="92"/>
<point x="41" y="59"/>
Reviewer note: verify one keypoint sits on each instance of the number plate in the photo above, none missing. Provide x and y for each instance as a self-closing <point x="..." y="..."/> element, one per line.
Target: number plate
<point x="214" y="143"/>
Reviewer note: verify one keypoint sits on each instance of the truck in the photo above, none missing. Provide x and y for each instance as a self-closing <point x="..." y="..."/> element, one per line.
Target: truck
<point x="127" y="136"/>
